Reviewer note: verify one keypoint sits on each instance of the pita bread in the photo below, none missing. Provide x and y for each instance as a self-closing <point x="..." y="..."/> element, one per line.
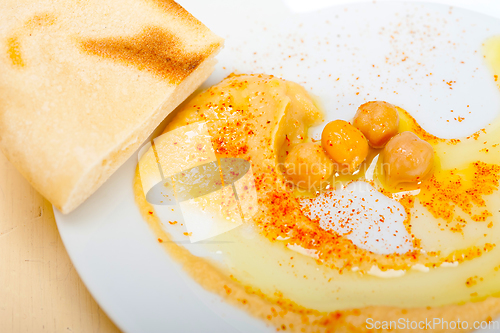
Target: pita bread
<point x="84" y="83"/>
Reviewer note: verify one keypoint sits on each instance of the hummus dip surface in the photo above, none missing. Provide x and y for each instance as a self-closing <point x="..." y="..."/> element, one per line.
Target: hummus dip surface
<point x="288" y="269"/>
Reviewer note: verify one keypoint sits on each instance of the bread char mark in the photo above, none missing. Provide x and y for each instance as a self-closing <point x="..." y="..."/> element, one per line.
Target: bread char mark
<point x="14" y="52"/>
<point x="39" y="21"/>
<point x="14" y="42"/>
<point x="155" y="49"/>
<point x="172" y="7"/>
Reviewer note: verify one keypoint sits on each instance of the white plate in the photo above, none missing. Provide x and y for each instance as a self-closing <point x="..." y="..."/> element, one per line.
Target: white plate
<point x="345" y="55"/>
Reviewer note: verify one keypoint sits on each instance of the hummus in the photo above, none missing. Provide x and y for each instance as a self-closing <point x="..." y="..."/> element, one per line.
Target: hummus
<point x="285" y="268"/>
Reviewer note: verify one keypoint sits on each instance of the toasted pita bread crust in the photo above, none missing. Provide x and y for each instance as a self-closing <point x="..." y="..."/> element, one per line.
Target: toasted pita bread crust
<point x="84" y="83"/>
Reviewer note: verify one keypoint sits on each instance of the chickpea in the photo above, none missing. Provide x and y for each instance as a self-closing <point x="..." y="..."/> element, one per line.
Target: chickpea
<point x="407" y="158"/>
<point x="308" y="166"/>
<point x="378" y="121"/>
<point x="345" y="144"/>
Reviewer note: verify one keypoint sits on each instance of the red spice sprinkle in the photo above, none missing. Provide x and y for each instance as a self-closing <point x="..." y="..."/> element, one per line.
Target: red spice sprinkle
<point x="227" y="289"/>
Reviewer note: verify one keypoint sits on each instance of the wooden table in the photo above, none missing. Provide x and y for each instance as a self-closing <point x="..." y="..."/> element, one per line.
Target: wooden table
<point x="40" y="290"/>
